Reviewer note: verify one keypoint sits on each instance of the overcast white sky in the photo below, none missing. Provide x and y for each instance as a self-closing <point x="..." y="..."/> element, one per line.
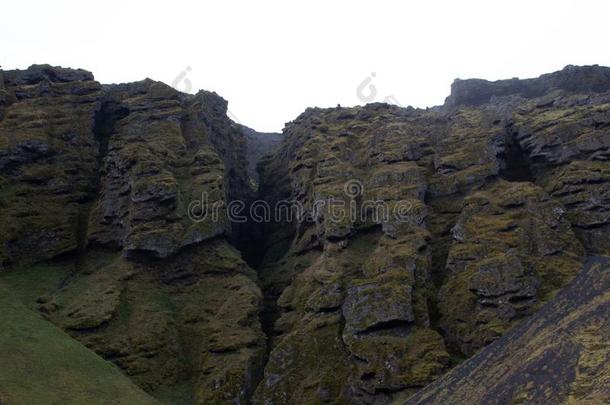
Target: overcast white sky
<point x="272" y="59"/>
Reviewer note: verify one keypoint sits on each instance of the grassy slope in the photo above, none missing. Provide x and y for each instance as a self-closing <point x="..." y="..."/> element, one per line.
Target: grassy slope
<point x="40" y="364"/>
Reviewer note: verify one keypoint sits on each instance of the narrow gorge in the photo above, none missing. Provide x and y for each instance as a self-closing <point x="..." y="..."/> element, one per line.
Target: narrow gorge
<point x="131" y="243"/>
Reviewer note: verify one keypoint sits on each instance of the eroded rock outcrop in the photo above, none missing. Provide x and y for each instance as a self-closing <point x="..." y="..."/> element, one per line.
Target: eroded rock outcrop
<point x="400" y="242"/>
<point x="578" y="79"/>
<point x="493" y="193"/>
<point x="513" y="249"/>
<point x="559" y="355"/>
<point x="165" y="151"/>
<point x="48" y="161"/>
<point x="105" y="179"/>
<point x="359" y="284"/>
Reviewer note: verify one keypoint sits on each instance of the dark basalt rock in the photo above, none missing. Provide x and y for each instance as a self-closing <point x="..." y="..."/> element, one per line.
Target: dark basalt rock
<point x="48" y="158"/>
<point x="87" y="167"/>
<point x="370" y="306"/>
<point x="580" y="79"/>
<point x="559" y="355"/>
<point x="158" y="162"/>
<point x="496" y="224"/>
<point x="39" y="73"/>
<point x="469" y="219"/>
<point x="512" y="249"/>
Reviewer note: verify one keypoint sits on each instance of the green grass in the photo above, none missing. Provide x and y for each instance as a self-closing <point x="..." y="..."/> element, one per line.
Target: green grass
<point x="40" y="364"/>
<point x="29" y="283"/>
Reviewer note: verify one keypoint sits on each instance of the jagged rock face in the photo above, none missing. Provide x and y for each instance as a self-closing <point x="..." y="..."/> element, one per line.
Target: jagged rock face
<point x="558" y="356"/>
<point x="513" y="249"/>
<point x="152" y="149"/>
<point x="580" y="79"/>
<point x="356" y="285"/>
<point x="48" y="161"/>
<point x="422" y="238"/>
<point x="164" y="152"/>
<point x="88" y="167"/>
<point x="500" y="202"/>
<point x="566" y="139"/>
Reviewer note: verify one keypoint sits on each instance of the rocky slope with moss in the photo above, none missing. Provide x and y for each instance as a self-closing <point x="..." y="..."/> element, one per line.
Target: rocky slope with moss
<point x="559" y="355"/>
<point x="101" y="181"/>
<point x="495" y="199"/>
<point x="406" y="240"/>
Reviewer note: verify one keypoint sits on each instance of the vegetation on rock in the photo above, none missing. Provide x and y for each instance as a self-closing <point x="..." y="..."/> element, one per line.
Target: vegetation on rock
<point x="493" y="202"/>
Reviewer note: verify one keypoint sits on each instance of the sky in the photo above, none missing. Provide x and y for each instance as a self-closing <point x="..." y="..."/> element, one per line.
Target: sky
<point x="273" y="59"/>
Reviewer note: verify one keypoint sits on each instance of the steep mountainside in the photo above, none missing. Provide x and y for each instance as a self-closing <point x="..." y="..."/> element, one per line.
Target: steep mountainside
<point x="559" y="355"/>
<point x="398" y="243"/>
<point x="494" y="209"/>
<point x="101" y="178"/>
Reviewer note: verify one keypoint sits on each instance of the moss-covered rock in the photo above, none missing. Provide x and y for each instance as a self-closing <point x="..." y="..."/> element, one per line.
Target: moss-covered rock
<point x="493" y="203"/>
<point x="513" y="249"/>
<point x="48" y="161"/>
<point x="120" y="166"/>
<point x="417" y="233"/>
<point x="172" y="165"/>
<point x="559" y="355"/>
<point x="192" y="321"/>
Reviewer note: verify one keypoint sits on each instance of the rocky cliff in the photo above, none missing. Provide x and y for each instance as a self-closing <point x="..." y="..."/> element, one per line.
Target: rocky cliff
<point x="499" y="204"/>
<point x="400" y="241"/>
<point x="559" y="355"/>
<point x="100" y="179"/>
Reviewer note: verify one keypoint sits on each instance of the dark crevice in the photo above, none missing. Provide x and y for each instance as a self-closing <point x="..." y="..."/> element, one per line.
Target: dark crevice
<point x="104" y="126"/>
<point x="394" y="325"/>
<point x="440" y="222"/>
<point x="261" y="244"/>
<point x="515" y="164"/>
<point x="270" y="311"/>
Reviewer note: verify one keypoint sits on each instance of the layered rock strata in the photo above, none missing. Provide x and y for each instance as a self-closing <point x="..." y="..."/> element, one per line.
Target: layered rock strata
<point x="420" y="238"/>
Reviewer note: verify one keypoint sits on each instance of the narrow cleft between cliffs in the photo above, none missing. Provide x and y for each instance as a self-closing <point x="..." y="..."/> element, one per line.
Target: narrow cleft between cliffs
<point x="255" y="236"/>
